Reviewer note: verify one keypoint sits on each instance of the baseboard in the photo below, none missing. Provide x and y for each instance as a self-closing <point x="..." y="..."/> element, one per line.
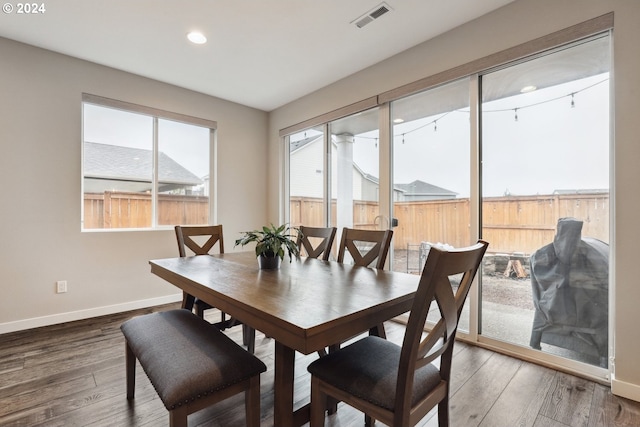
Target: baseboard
<point x="54" y="319"/>
<point x="624" y="389"/>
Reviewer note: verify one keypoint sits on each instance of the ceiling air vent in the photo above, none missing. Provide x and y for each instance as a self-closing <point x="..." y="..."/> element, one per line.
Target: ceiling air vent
<point x="373" y="14"/>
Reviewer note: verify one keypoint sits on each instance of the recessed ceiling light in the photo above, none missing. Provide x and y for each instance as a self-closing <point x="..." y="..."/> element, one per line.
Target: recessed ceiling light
<point x="398" y="120"/>
<point x="528" y="89"/>
<point x="196" y="37"/>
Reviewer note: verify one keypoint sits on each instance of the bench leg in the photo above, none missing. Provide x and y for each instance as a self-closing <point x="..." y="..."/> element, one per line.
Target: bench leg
<point x="131" y="371"/>
<point x="178" y="418"/>
<point x="252" y="402"/>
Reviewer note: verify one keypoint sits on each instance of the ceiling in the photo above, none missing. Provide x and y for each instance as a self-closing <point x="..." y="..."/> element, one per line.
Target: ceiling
<point x="259" y="53"/>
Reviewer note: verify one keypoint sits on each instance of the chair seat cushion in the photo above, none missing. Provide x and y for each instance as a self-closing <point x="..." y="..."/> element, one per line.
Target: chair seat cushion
<point x="185" y="357"/>
<point x="368" y="369"/>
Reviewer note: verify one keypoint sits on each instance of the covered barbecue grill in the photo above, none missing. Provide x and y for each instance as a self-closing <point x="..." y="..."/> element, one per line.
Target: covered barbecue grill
<point x="570" y="281"/>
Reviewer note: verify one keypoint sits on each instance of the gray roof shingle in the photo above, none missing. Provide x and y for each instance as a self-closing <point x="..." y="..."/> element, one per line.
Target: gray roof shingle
<point x="132" y="164"/>
<point x="422" y="188"/>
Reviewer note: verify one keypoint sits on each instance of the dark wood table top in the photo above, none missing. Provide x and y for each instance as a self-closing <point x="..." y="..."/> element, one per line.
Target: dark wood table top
<point x="306" y="305"/>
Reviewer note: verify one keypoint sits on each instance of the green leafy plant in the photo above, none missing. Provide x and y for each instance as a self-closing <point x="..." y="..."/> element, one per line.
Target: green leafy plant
<point x="272" y="241"/>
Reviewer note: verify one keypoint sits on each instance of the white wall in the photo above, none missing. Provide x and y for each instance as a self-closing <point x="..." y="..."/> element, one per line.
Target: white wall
<point x="516" y="23"/>
<point x="40" y="171"/>
<point x="304" y="180"/>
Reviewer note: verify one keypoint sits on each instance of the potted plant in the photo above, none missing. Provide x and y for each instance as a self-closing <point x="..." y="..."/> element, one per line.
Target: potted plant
<point x="271" y="243"/>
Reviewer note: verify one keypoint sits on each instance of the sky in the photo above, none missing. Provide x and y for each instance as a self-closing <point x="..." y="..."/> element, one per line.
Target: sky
<point x="551" y="145"/>
<point x="186" y="144"/>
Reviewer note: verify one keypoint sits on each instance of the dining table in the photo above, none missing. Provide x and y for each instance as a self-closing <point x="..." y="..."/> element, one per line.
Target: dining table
<point x="305" y="305"/>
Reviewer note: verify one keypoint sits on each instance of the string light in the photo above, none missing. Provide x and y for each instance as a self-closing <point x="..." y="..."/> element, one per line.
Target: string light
<point x="549" y="100"/>
<point x="434" y="122"/>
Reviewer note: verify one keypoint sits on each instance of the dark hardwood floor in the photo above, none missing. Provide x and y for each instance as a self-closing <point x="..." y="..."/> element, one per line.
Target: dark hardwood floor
<point x="73" y="375"/>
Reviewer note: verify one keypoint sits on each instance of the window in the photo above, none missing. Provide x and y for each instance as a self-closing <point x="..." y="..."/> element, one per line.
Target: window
<point x="307" y="177"/>
<point x="142" y="167"/>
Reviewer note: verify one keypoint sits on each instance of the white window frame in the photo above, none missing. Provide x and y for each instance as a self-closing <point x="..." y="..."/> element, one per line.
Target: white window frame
<point x="156" y="114"/>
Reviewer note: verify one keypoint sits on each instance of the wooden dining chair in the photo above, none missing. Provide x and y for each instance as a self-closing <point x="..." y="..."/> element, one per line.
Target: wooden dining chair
<point x="399" y="385"/>
<point x="308" y="243"/>
<point x="367" y="248"/>
<point x="316" y="241"/>
<point x="201" y="240"/>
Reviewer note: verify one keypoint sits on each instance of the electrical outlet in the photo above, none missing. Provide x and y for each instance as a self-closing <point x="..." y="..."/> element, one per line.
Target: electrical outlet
<point x="61" y="286"/>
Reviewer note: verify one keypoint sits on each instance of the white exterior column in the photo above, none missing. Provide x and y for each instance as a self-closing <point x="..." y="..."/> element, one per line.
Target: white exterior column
<point x="344" y="209"/>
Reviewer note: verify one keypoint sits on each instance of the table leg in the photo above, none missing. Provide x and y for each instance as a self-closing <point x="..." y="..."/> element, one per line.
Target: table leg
<point x="283" y="386"/>
<point x="283" y="413"/>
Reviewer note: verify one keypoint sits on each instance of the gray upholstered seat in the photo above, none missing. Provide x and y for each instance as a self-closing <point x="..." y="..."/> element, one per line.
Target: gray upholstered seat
<point x="368" y="369"/>
<point x="190" y="363"/>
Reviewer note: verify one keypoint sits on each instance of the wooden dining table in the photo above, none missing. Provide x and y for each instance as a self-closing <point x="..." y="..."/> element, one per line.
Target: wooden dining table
<point x="305" y="305"/>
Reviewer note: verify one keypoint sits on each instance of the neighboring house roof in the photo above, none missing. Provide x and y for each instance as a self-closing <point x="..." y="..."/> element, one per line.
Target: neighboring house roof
<point x="421" y="188"/>
<point x="115" y="162"/>
<point x="295" y="146"/>
<point x="365" y="175"/>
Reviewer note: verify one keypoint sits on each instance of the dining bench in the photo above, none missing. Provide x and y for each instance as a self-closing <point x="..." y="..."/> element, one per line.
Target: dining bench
<point x="190" y="363"/>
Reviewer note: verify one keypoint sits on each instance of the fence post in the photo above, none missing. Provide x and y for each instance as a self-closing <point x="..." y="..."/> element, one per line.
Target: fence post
<point x="106" y="210"/>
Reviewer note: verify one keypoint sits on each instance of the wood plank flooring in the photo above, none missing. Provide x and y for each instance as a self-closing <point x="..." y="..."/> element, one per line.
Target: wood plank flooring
<point x="73" y="375"/>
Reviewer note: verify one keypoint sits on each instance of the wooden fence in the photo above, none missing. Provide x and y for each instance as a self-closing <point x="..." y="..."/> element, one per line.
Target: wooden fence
<point x="511" y="224"/>
<point x="133" y="210"/>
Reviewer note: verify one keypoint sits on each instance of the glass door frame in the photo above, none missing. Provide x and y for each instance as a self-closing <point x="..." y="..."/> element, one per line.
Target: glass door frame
<point x="473" y="71"/>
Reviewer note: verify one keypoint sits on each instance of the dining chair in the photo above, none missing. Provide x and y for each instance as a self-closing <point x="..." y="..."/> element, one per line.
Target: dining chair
<point x="399" y="385"/>
<point x="200" y="240"/>
<point x="367" y="248"/>
<point x="308" y="240"/>
<point x="308" y="243"/>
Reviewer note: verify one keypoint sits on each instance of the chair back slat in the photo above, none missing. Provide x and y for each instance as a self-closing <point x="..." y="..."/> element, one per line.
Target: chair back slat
<point x="305" y="236"/>
<point x="352" y="241"/>
<point x="185" y="236"/>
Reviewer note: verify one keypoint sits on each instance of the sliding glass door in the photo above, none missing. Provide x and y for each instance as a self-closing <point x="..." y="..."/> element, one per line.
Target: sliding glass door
<point x="545" y="202"/>
<point x="517" y="155"/>
<point x="431" y="174"/>
<point x="355" y="183"/>
<point x="355" y="161"/>
<point x="307" y="172"/>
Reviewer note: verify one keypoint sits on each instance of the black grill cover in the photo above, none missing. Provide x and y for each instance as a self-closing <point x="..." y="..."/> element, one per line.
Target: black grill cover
<point x="570" y="280"/>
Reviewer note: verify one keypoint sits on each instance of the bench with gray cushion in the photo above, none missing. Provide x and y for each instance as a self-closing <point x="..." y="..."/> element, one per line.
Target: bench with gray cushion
<point x="191" y="364"/>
